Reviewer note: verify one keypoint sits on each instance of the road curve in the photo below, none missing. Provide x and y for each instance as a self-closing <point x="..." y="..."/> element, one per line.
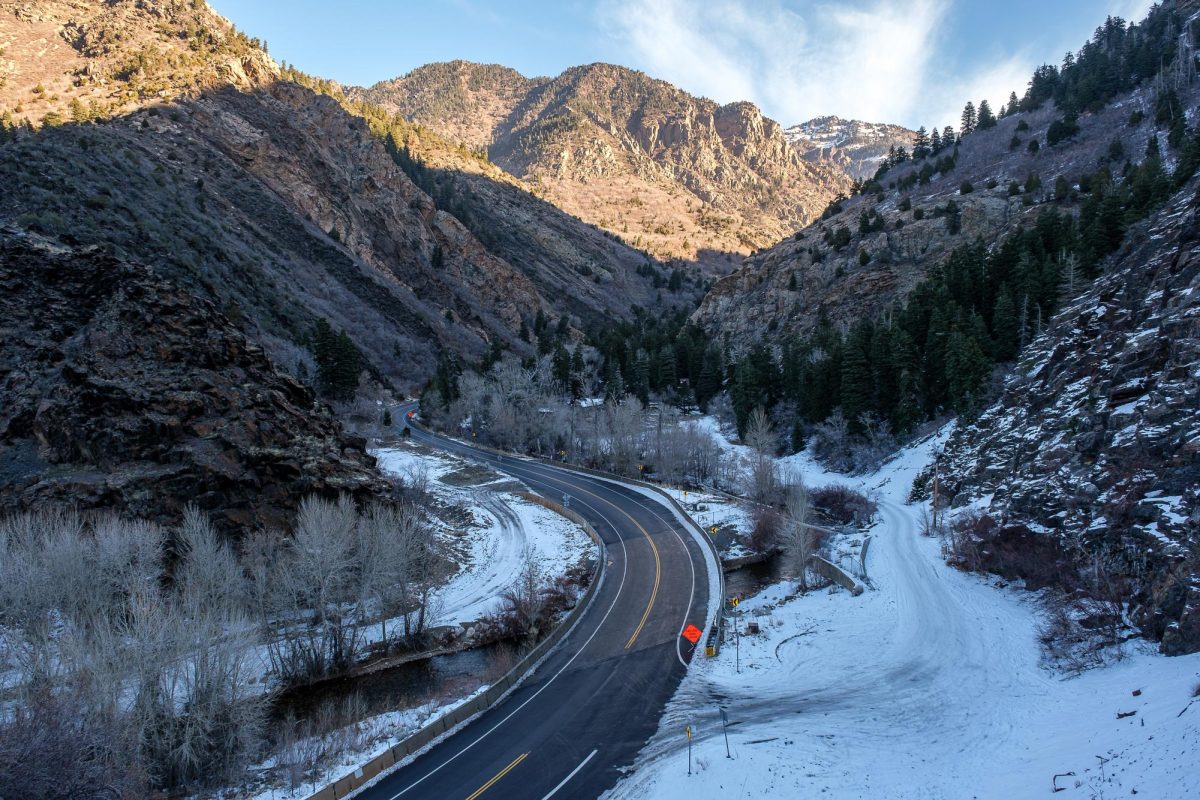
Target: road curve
<point x="582" y="717"/>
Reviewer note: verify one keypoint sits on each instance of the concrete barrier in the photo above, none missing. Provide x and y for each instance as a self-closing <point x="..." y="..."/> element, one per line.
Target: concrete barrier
<point x="353" y="781"/>
<point x="831" y="571"/>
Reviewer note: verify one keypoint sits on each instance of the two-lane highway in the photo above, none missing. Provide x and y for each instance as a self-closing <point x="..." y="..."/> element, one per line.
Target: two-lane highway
<point x="592" y="704"/>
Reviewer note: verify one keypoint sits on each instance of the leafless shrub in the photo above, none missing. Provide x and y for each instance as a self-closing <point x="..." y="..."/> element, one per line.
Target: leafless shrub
<point x="764" y="536"/>
<point x="51" y="748"/>
<point x="831" y="442"/>
<point x="842" y="505"/>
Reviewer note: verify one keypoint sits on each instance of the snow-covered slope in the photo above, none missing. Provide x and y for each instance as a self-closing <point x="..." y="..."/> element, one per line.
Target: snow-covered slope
<point x="857" y="147"/>
<point x="928" y="686"/>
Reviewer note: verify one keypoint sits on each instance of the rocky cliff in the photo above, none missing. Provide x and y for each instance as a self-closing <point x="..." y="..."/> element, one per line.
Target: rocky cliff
<point x="678" y="176"/>
<point x="916" y="223"/>
<point x="121" y="390"/>
<point x="1095" y="442"/>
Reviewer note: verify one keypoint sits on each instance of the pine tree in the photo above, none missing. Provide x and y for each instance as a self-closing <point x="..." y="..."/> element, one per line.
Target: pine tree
<point x="1005" y="333"/>
<point x="668" y="374"/>
<point x="858" y="384"/>
<point x="560" y="368"/>
<point x="935" y="142"/>
<point x="921" y="146"/>
<point x="969" y="119"/>
<point x="708" y="384"/>
<point x="948" y="137"/>
<point x="1014" y="104"/>
<point x="577" y="373"/>
<point x="986" y="118"/>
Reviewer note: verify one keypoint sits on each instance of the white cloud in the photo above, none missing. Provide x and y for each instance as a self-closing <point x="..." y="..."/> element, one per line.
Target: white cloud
<point x="864" y="59"/>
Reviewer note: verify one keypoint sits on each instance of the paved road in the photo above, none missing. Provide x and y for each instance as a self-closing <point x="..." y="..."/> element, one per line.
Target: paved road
<point x="590" y="707"/>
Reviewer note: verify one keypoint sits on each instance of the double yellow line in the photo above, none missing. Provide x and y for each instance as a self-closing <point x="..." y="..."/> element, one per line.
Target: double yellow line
<point x="657" y="564"/>
<point x="498" y="776"/>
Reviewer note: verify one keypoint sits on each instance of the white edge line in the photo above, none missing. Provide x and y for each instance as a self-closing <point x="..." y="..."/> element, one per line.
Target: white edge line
<point x="563" y="783"/>
<point x="599" y="625"/>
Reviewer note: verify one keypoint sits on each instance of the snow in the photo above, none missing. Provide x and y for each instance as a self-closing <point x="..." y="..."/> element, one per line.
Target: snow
<point x="508" y="529"/>
<point x="931" y="685"/>
<point x="373" y="736"/>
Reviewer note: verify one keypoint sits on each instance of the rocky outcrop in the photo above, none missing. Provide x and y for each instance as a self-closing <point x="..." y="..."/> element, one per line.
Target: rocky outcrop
<point x="915" y="225"/>
<point x="856" y="147"/>
<point x="120" y="390"/>
<point x="1095" y="443"/>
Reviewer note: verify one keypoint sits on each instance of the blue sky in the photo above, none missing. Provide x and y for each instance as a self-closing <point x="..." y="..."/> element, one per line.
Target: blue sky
<point x="911" y="62"/>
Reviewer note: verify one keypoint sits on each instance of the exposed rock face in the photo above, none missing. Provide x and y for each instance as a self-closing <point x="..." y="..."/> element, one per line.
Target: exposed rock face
<point x="677" y="175"/>
<point x="757" y="301"/>
<point x="280" y="205"/>
<point x="856" y="147"/>
<point x="785" y="290"/>
<point x="120" y="390"/>
<point x="1095" y="442"/>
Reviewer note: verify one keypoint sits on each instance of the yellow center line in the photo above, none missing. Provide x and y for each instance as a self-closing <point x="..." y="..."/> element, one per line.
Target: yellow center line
<point x="653" y="592"/>
<point x="498" y="776"/>
<point x="657" y="564"/>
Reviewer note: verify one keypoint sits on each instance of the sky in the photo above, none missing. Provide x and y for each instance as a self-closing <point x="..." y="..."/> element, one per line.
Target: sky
<point x="909" y="62"/>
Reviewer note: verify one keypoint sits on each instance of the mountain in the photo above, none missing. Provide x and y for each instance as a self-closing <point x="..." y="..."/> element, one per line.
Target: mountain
<point x="857" y="148"/>
<point x="266" y="192"/>
<point x="1037" y="278"/>
<point x="678" y="176"/>
<point x="870" y="251"/>
<point x="1094" y="445"/>
<point x="162" y="136"/>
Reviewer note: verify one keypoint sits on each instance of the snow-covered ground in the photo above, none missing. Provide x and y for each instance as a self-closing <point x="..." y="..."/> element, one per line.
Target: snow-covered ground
<point x="368" y="739"/>
<point x="929" y="686"/>
<point x="507" y="529"/>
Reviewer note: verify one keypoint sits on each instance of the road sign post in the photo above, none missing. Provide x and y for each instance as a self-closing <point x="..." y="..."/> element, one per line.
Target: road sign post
<point x="688" y="731"/>
<point x="725" y="728"/>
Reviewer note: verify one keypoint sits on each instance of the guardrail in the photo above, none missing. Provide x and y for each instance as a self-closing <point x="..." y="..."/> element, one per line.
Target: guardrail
<point x="447" y="722"/>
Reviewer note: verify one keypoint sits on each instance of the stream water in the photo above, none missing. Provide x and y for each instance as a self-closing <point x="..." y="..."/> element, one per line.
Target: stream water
<point x="402" y="685"/>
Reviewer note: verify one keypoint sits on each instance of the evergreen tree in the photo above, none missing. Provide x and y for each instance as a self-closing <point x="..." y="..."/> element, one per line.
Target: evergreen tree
<point x="560" y="368"/>
<point x="1005" y="333"/>
<point x="969" y="119"/>
<point x="858" y="383"/>
<point x="986" y="118"/>
<point x="578" y="369"/>
<point x="921" y="146"/>
<point x="966" y="368"/>
<point x="668" y="375"/>
<point x="339" y="362"/>
<point x="1014" y="104"/>
<point x="935" y="142"/>
<point x="708" y="384"/>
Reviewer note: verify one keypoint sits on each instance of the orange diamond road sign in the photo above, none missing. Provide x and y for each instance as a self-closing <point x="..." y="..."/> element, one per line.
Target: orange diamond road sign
<point x="692" y="634"/>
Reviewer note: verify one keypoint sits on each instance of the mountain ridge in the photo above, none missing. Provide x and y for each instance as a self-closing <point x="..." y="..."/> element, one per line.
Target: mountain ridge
<point x="665" y="171"/>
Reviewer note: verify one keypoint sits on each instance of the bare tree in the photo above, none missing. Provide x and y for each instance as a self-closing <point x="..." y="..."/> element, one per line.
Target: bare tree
<point x="318" y="575"/>
<point x="798" y="540"/>
<point x="523" y="603"/>
<point x="760" y="437"/>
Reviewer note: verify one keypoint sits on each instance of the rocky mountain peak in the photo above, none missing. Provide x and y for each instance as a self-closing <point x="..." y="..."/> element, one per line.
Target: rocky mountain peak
<point x="674" y="175"/>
